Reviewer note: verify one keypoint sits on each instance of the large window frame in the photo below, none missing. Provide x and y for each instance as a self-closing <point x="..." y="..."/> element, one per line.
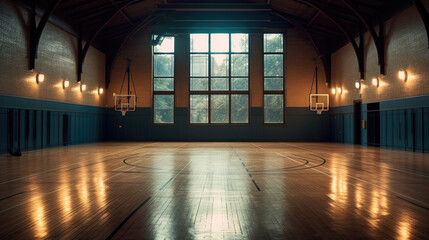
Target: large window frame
<point x="274" y="92"/>
<point x="165" y="92"/>
<point x="210" y="93"/>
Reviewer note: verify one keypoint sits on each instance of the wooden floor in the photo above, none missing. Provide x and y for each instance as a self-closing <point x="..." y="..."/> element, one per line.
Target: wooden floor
<point x="214" y="191"/>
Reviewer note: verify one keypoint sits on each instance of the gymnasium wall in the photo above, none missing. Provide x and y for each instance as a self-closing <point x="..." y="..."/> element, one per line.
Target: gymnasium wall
<point x="403" y="106"/>
<point x="301" y="124"/>
<point x="39" y="108"/>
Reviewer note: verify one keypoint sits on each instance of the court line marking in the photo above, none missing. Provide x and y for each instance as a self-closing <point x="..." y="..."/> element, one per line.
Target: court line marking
<point x="56" y="169"/>
<point x="150" y="200"/>
<point x="387" y="190"/>
<point x="244" y="166"/>
<point x="370" y="163"/>
<point x="126" y="219"/>
<point x="256" y="185"/>
<point x="53" y="191"/>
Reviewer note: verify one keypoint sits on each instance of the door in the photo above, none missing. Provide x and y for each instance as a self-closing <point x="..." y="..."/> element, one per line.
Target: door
<point x="374" y="124"/>
<point x="357" y="121"/>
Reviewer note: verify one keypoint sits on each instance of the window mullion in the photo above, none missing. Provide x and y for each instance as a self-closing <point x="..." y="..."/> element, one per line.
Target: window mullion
<point x="229" y="80"/>
<point x="209" y="110"/>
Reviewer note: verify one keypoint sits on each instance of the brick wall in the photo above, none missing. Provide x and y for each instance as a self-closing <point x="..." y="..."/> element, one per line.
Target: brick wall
<point x="406" y="48"/>
<point x="57" y="57"/>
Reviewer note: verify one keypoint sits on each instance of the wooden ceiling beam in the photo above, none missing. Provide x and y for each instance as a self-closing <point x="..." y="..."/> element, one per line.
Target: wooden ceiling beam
<point x="378" y="39"/>
<point x="37" y="30"/>
<point x="82" y="51"/>
<point x="323" y="53"/>
<point x="333" y="18"/>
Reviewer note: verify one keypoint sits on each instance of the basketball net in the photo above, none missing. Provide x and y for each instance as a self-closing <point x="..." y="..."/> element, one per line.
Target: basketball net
<point x="123" y="112"/>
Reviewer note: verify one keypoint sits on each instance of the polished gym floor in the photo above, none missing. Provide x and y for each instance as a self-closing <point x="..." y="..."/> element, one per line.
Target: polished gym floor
<point x="214" y="191"/>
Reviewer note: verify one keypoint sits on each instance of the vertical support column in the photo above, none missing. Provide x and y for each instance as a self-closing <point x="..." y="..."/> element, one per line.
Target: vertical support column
<point x="361" y="56"/>
<point x="256" y="73"/>
<point x="182" y="70"/>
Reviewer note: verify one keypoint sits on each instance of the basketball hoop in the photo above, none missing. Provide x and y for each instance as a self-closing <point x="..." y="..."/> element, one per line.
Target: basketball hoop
<point x="126" y="102"/>
<point x="319" y="103"/>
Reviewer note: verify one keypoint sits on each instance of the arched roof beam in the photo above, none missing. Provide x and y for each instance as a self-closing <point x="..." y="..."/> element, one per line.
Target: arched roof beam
<point x="83" y="51"/>
<point x="358" y="49"/>
<point x="36" y="31"/>
<point x="378" y="39"/>
<point x="326" y="57"/>
<point x="423" y="14"/>
<point x="112" y="56"/>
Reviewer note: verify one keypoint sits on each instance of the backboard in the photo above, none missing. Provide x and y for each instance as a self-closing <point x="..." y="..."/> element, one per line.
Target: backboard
<point x="125" y="103"/>
<point x="319" y="103"/>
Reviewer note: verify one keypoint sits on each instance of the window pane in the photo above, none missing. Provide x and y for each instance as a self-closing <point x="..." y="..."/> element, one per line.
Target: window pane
<point x="219" y="108"/>
<point x="163" y="116"/>
<point x="273" y="42"/>
<point x="199" y="65"/>
<point x="163" y="84"/>
<point x="167" y="45"/>
<point x="219" y="42"/>
<point x="199" y="84"/>
<point x="273" y="108"/>
<point x="273" y="65"/>
<point x="239" y="42"/>
<point x="239" y="65"/>
<point x="239" y="108"/>
<point x="163" y="101"/>
<point x="163" y="65"/>
<point x="219" y="84"/>
<point x="199" y="43"/>
<point x="163" y="108"/>
<point x="273" y="84"/>
<point x="199" y="108"/>
<point x="220" y="65"/>
<point x="239" y="84"/>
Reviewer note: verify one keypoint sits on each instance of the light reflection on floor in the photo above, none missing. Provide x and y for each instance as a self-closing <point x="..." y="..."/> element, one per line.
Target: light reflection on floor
<point x="216" y="191"/>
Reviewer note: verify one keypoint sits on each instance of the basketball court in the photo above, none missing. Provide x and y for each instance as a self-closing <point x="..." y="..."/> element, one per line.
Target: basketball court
<point x="182" y="190"/>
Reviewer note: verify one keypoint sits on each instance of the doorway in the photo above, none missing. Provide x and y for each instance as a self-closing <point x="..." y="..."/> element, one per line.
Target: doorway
<point x="357" y="121"/>
<point x="374" y="124"/>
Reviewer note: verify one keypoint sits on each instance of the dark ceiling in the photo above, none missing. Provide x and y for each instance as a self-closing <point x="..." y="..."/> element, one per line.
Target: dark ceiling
<point x="175" y="16"/>
<point x="328" y="24"/>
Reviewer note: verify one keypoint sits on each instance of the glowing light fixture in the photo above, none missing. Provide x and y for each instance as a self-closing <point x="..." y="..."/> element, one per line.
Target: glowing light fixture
<point x="339" y="90"/>
<point x="375" y="82"/>
<point x="40" y="77"/>
<point x="333" y="91"/>
<point x="403" y="75"/>
<point x="357" y="84"/>
<point x="100" y="91"/>
<point x="82" y="87"/>
<point x="66" y="84"/>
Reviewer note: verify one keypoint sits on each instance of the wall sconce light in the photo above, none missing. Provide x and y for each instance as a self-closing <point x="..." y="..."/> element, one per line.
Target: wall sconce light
<point x="82" y="87"/>
<point x="357" y="84"/>
<point x="100" y="91"/>
<point x="333" y="91"/>
<point x="403" y="75"/>
<point x="375" y="82"/>
<point x="40" y="77"/>
<point x="66" y="84"/>
<point x="339" y="90"/>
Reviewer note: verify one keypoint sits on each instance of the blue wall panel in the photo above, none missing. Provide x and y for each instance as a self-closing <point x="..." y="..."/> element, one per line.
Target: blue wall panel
<point x="404" y="124"/>
<point x="39" y="123"/>
<point x="301" y="125"/>
<point x="342" y="124"/>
